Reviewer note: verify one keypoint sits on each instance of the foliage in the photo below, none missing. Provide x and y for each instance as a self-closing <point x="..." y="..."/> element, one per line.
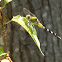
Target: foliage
<point x="7" y="1"/>
<point x="23" y="21"/>
<point x="2" y="54"/>
<point x="28" y="27"/>
<point x="1" y="50"/>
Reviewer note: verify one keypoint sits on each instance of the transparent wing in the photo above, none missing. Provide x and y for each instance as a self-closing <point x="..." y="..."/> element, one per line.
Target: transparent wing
<point x="27" y="12"/>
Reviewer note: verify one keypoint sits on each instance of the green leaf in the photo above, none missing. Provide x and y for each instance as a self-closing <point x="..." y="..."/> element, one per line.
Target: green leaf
<point x="7" y="1"/>
<point x="29" y="28"/>
<point x="4" y="55"/>
<point x="1" y="50"/>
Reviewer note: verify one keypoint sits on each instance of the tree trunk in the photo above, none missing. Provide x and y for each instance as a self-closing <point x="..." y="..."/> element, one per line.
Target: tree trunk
<point x="21" y="46"/>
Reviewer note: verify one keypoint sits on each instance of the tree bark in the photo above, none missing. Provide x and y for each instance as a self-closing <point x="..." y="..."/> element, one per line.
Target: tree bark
<point x="21" y="46"/>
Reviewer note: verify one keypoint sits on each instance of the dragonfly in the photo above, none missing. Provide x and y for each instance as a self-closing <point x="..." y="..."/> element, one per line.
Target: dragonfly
<point x="33" y="19"/>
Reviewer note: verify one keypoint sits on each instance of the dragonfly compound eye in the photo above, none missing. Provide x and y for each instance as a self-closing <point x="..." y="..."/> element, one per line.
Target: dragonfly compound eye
<point x="28" y="17"/>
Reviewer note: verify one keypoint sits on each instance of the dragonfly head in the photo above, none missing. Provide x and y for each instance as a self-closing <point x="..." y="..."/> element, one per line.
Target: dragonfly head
<point x="28" y="17"/>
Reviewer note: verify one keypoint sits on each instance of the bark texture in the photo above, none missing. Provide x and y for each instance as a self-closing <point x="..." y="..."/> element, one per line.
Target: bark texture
<point x="21" y="46"/>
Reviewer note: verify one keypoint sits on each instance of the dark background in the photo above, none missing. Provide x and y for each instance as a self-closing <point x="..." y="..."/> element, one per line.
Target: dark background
<point x="21" y="46"/>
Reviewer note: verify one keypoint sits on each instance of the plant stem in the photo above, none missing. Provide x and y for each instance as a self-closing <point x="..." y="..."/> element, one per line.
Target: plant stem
<point x="3" y="33"/>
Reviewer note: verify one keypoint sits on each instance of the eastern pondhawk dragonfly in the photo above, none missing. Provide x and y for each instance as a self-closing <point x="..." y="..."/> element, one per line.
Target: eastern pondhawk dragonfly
<point x="33" y="19"/>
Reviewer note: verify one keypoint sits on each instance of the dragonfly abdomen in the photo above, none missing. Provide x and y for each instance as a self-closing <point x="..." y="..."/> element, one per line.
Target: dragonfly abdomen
<point x="52" y="33"/>
<point x="41" y="26"/>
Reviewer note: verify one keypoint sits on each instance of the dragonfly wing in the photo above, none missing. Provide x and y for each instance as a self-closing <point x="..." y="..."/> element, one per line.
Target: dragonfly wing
<point x="27" y="12"/>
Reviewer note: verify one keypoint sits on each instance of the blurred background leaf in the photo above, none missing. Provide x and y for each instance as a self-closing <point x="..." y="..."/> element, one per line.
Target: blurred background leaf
<point x="1" y="50"/>
<point x="7" y="1"/>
